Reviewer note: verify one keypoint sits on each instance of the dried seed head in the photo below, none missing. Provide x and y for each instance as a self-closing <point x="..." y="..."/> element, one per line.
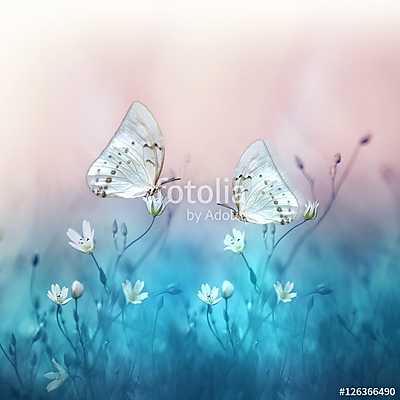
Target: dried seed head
<point x="337" y="158"/>
<point x="365" y="139"/>
<point x="299" y="162"/>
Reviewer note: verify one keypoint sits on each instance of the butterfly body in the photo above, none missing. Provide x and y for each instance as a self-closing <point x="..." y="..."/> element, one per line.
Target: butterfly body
<point x="131" y="164"/>
<point x="260" y="194"/>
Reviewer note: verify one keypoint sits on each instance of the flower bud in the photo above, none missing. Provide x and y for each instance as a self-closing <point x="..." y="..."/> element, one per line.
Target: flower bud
<point x="124" y="229"/>
<point x="337" y="158"/>
<point x="365" y="139"/>
<point x="77" y="290"/>
<point x="311" y="210"/>
<point x="35" y="260"/>
<point x="155" y="204"/>
<point x="115" y="228"/>
<point x="227" y="289"/>
<point x="172" y="289"/>
<point x="323" y="290"/>
<point x="299" y="162"/>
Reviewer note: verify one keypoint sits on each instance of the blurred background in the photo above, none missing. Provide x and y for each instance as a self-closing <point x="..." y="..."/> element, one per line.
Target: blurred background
<point x="310" y="79"/>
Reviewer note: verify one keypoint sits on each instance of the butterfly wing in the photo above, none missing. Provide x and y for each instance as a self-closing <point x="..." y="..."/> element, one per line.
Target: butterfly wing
<point x="260" y="193"/>
<point x="131" y="163"/>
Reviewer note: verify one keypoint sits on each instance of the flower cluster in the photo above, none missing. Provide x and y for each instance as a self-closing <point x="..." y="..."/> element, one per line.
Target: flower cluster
<point x="211" y="296"/>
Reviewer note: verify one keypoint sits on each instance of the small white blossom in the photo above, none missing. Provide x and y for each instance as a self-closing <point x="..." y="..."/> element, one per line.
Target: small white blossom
<point x="155" y="204"/>
<point x="235" y="242"/>
<point x="227" y="289"/>
<point x="57" y="378"/>
<point x="133" y="294"/>
<point x="311" y="210"/>
<point x="208" y="295"/>
<point x="84" y="242"/>
<point x="284" y="294"/>
<point x="57" y="295"/>
<point x="77" y="289"/>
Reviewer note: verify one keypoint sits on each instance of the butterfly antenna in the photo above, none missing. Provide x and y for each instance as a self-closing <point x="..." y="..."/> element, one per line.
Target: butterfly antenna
<point x="226" y="206"/>
<point x="170" y="180"/>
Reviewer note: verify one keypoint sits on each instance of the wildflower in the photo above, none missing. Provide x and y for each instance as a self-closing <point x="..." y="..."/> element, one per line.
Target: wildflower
<point x="208" y="295"/>
<point x="235" y="242"/>
<point x="155" y="204"/>
<point x="84" y="243"/>
<point x="57" y="295"/>
<point x="284" y="294"/>
<point x="311" y="210"/>
<point x="133" y="294"/>
<point x="227" y="289"/>
<point x="77" y="289"/>
<point x="57" y="378"/>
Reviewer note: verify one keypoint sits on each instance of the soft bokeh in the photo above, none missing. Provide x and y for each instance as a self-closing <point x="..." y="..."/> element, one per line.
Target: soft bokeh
<point x="310" y="79"/>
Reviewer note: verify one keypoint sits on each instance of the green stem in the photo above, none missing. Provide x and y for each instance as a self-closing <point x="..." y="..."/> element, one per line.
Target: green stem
<point x="84" y="351"/>
<point x="228" y="329"/>
<point x="126" y="247"/>
<point x="335" y="192"/>
<point x="252" y="275"/>
<point x="14" y="365"/>
<point x="62" y="330"/>
<point x="102" y="275"/>
<point x="211" y="328"/>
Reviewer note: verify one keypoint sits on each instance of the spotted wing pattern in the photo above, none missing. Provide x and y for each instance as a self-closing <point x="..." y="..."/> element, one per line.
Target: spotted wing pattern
<point x="131" y="164"/>
<point x="259" y="191"/>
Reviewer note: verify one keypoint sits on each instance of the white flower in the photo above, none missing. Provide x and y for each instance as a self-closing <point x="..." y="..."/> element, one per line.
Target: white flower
<point x="133" y="294"/>
<point x="58" y="295"/>
<point x="311" y="210"/>
<point x="58" y="377"/>
<point x="284" y="294"/>
<point x="155" y="204"/>
<point x="235" y="242"/>
<point x="208" y="295"/>
<point x="227" y="289"/>
<point x="77" y="289"/>
<point x="84" y="243"/>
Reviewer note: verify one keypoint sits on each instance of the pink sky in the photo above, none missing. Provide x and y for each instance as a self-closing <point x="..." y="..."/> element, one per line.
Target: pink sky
<point x="311" y="81"/>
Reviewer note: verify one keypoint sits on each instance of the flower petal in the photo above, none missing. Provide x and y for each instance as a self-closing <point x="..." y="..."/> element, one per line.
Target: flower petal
<point x="139" y="285"/>
<point x="51" y="375"/>
<point x="76" y="246"/>
<point x="73" y="235"/>
<point x="86" y="229"/>
<point x="289" y="287"/>
<point x="54" y="385"/>
<point x="143" y="296"/>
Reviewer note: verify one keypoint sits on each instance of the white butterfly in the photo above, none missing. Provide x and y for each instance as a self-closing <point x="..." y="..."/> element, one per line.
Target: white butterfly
<point x="130" y="166"/>
<point x="259" y="192"/>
